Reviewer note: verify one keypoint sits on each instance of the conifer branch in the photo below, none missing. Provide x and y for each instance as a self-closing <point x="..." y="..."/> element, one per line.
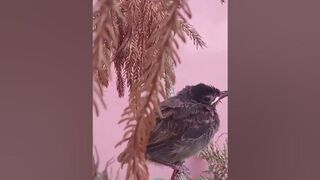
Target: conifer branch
<point x="140" y="37"/>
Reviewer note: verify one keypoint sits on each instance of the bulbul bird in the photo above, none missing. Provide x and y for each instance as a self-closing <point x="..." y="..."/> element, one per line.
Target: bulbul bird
<point x="189" y="121"/>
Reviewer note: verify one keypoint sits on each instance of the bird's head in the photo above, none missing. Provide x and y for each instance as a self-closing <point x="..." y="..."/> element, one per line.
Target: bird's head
<point x="205" y="94"/>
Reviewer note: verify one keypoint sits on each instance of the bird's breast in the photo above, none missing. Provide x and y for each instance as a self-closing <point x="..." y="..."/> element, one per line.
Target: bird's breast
<point x="195" y="146"/>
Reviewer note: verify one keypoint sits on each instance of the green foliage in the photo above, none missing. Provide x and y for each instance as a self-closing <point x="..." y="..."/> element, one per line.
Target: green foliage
<point x="217" y="159"/>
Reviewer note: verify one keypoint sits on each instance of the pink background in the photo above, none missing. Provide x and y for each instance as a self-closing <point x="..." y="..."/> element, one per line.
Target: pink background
<point x="207" y="65"/>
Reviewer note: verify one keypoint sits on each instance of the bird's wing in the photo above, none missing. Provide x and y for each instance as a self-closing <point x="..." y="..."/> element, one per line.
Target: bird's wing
<point x="178" y="121"/>
<point x="164" y="129"/>
<point x="169" y="107"/>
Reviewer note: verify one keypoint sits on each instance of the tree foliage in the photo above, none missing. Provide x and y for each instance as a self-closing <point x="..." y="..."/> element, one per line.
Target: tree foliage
<point x="140" y="38"/>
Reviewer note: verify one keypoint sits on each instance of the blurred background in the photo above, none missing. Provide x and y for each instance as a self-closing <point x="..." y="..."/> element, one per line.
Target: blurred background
<point x="208" y="65"/>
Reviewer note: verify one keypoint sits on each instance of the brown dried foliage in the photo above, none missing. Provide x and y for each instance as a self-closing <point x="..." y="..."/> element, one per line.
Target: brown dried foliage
<point x="193" y="34"/>
<point x="105" y="41"/>
<point x="139" y="37"/>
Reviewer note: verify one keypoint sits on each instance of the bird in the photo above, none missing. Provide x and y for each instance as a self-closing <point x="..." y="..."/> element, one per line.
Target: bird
<point x="188" y="122"/>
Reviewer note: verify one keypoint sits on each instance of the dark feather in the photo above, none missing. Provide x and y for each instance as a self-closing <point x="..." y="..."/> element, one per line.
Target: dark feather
<point x="186" y="126"/>
<point x="181" y="122"/>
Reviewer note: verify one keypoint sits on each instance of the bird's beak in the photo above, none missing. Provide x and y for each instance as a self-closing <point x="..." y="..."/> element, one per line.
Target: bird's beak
<point x="222" y="95"/>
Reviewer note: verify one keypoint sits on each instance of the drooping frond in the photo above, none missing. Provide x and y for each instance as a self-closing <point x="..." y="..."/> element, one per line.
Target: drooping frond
<point x="105" y="41"/>
<point x="193" y="34"/>
<point x="153" y="48"/>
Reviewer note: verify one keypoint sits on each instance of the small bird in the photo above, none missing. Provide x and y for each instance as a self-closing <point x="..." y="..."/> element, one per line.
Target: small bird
<point x="189" y="121"/>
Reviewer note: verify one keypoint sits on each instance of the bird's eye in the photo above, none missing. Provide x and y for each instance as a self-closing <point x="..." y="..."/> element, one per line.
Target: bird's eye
<point x="206" y="99"/>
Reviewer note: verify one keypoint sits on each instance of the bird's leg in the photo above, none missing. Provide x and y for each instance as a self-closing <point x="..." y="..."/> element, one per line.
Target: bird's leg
<point x="178" y="167"/>
<point x="179" y="171"/>
<point x="174" y="174"/>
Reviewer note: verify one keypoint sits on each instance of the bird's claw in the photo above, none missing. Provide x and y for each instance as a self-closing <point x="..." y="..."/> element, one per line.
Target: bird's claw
<point x="183" y="169"/>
